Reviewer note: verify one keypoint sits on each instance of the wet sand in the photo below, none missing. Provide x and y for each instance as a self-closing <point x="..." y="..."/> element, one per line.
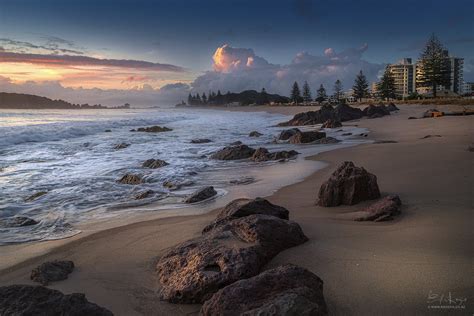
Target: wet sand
<point x="368" y="268"/>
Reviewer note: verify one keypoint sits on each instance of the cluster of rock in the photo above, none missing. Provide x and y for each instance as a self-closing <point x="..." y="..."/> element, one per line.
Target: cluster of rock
<point x="296" y="136"/>
<point x="262" y="154"/>
<point x="227" y="258"/>
<point x="152" y="129"/>
<point x="241" y="151"/>
<point x="131" y="178"/>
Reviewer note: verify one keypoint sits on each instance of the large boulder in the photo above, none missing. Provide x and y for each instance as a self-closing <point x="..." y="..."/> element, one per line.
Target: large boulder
<point x="244" y="207"/>
<point x="287" y="133"/>
<point x="236" y="152"/>
<point x="312" y="117"/>
<point x="284" y="290"/>
<point x="331" y="124"/>
<point x="306" y="137"/>
<point x="39" y="300"/>
<point x="344" y="112"/>
<point x="201" y="195"/>
<point x="348" y="185"/>
<point x="130" y="178"/>
<point x="194" y="270"/>
<point x="375" y="111"/>
<point x="154" y="129"/>
<point x="262" y="154"/>
<point x="52" y="271"/>
<point x="154" y="163"/>
<point x="382" y="210"/>
<point x="17" y="221"/>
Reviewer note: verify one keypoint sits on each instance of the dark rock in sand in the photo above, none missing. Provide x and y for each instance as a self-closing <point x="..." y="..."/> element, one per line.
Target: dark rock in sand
<point x="201" y="195"/>
<point x="200" y="141"/>
<point x="246" y="207"/>
<point x="412" y="118"/>
<point x="287" y="133"/>
<point x="52" y="271"/>
<point x="255" y="134"/>
<point x="430" y="136"/>
<point x="344" y="112"/>
<point x="284" y="290"/>
<point x="348" y="185"/>
<point x="392" y="107"/>
<point x="306" y="137"/>
<point x="470" y="148"/>
<point x="144" y="194"/>
<point x="154" y="163"/>
<point x="375" y="111"/>
<point x="331" y="124"/>
<point x="312" y="117"/>
<point x="35" y="196"/>
<point x="17" y="221"/>
<point x="382" y="210"/>
<point x="326" y="140"/>
<point x="154" y="129"/>
<point x="194" y="270"/>
<point x="130" y="178"/>
<point x="121" y="146"/>
<point x="39" y="300"/>
<point x="262" y="154"/>
<point x="236" y="152"/>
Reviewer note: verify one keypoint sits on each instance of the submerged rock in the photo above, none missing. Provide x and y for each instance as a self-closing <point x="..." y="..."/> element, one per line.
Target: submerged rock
<point x="153" y="129"/>
<point x="255" y="134"/>
<point x="154" y="163"/>
<point x="201" y="195"/>
<point x="200" y="141"/>
<point x="17" y="221"/>
<point x="35" y="196"/>
<point x="326" y="140"/>
<point x="284" y="290"/>
<point x="382" y="210"/>
<point x="331" y="124"/>
<point x="236" y="152"/>
<point x="121" y="146"/>
<point x="286" y="134"/>
<point x="262" y="154"/>
<point x="39" y="300"/>
<point x="144" y="194"/>
<point x="52" y="271"/>
<point x="306" y="137"/>
<point x="348" y="185"/>
<point x="236" y="143"/>
<point x="130" y="178"/>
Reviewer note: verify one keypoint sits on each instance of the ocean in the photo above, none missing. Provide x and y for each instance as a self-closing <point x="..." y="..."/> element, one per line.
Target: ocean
<point x="70" y="155"/>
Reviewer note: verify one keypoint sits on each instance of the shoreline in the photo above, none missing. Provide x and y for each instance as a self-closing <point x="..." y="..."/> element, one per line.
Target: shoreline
<point x="340" y="252"/>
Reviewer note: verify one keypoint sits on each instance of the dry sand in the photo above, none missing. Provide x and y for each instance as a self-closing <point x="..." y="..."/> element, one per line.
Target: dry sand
<point x="385" y="268"/>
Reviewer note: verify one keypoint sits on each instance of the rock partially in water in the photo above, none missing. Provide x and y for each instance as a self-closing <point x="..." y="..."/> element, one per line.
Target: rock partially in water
<point x="35" y="196"/>
<point x="153" y="129"/>
<point x="306" y="137"/>
<point x="52" y="271"/>
<point x="348" y="185"/>
<point x="331" y="124"/>
<point x="154" y="163"/>
<point x="130" y="178"/>
<point x="236" y="143"/>
<point x="284" y="290"/>
<point x="201" y="195"/>
<point x="382" y="210"/>
<point x="255" y="134"/>
<point x="200" y="141"/>
<point x="17" y="221"/>
<point x="108" y="131"/>
<point x="39" y="300"/>
<point x="326" y="140"/>
<point x="236" y="152"/>
<point x="262" y="154"/>
<point x="121" y="146"/>
<point x="144" y="194"/>
<point x="287" y="133"/>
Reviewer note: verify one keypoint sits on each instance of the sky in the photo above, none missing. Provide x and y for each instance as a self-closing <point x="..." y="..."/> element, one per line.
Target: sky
<point x="148" y="52"/>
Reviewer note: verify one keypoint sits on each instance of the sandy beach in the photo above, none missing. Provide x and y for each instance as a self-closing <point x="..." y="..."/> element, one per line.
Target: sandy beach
<point x="389" y="268"/>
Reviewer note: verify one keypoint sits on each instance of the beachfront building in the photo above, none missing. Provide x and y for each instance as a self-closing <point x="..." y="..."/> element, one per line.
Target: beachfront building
<point x="456" y="67"/>
<point x="403" y="74"/>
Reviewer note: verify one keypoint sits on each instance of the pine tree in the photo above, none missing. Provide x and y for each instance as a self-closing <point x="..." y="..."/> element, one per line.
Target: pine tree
<point x="386" y="87"/>
<point x="204" y="98"/>
<point x="198" y="98"/>
<point x="321" y="94"/>
<point x="307" y="93"/>
<point x="361" y="86"/>
<point x="263" y="97"/>
<point x="338" y="89"/>
<point x="190" y="99"/>
<point x="295" y="93"/>
<point x="434" y="67"/>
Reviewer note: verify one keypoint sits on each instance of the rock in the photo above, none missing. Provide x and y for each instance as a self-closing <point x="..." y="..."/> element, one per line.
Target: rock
<point x="234" y="153"/>
<point x="262" y="154"/>
<point x="348" y="185"/>
<point x="154" y="129"/>
<point x="194" y="270"/>
<point x="306" y="137"/>
<point x="130" y="179"/>
<point x="430" y="136"/>
<point x="52" y="271"/>
<point x="385" y="142"/>
<point x="344" y="112"/>
<point x="245" y="207"/>
<point x="255" y="134"/>
<point x="121" y="146"/>
<point x="171" y="185"/>
<point x="470" y="148"/>
<point x="287" y="133"/>
<point x="236" y="143"/>
<point x="108" y="131"/>
<point x="374" y="111"/>
<point x="39" y="300"/>
<point x="432" y="113"/>
<point x="412" y="118"/>
<point x="242" y="181"/>
<point x="17" y="221"/>
<point x="331" y="124"/>
<point x="284" y="290"/>
<point x="346" y="134"/>
<point x="392" y="107"/>
<point x="326" y="140"/>
<point x="312" y="117"/>
<point x="35" y="196"/>
<point x="144" y="194"/>
<point x="154" y="163"/>
<point x="200" y="141"/>
<point x="201" y="195"/>
<point x="382" y="210"/>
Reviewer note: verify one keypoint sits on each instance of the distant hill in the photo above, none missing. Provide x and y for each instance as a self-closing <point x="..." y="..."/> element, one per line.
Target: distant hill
<point x="243" y="98"/>
<point x="29" y="101"/>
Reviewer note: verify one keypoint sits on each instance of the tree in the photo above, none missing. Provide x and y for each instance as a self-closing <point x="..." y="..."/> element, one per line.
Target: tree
<point x="190" y="99"/>
<point x="434" y="67"/>
<point x="204" y="98"/>
<point x="295" y="93"/>
<point x="338" y="89"/>
<point x="361" y="86"/>
<point x="306" y="92"/>
<point x="321" y="94"/>
<point x="386" y="86"/>
<point x="263" y="97"/>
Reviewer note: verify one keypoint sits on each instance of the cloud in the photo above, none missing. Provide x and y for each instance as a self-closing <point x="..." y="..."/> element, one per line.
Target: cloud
<point x="53" y="45"/>
<point x="228" y="59"/>
<point x="69" y="60"/>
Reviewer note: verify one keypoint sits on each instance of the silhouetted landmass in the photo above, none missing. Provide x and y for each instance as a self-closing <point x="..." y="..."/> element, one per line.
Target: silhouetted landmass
<point x="29" y="101"/>
<point x="243" y="98"/>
